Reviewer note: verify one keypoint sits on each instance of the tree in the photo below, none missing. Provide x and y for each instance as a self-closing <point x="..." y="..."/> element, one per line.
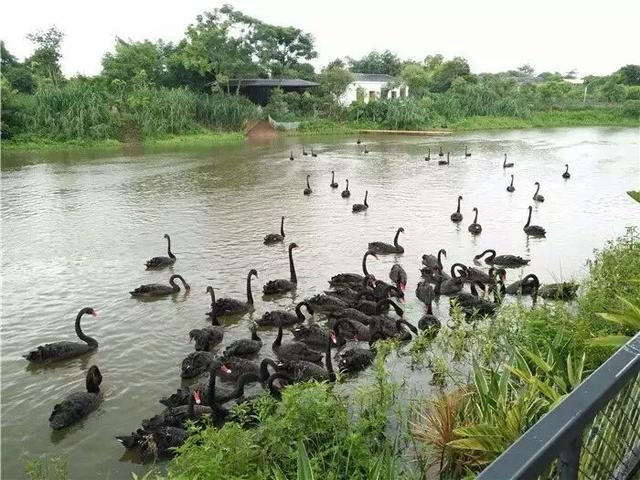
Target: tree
<point x="416" y="78"/>
<point x="45" y="60"/>
<point x="386" y="62"/>
<point x="334" y="81"/>
<point x="130" y="59"/>
<point x="212" y="51"/>
<point x="17" y="74"/>
<point x="433" y="62"/>
<point x="612" y="91"/>
<point x="526" y="70"/>
<point x="281" y="48"/>
<point x="630" y="74"/>
<point x="446" y="73"/>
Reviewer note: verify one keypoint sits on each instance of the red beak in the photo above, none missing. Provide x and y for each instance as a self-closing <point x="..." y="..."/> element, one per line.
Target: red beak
<point x="225" y="369"/>
<point x="94" y="313"/>
<point x="196" y="396"/>
<point x="333" y="338"/>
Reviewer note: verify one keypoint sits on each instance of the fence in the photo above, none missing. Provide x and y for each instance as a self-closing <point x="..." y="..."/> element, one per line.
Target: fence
<point x="593" y="434"/>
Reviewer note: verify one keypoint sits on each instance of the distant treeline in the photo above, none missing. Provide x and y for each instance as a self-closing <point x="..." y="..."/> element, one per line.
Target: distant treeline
<point x="153" y="89"/>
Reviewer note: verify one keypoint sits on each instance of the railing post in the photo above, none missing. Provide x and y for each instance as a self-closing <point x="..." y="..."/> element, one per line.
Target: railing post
<point x="570" y="459"/>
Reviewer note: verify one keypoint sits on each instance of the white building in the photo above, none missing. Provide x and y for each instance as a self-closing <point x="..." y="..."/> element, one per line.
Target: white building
<point x="372" y="85"/>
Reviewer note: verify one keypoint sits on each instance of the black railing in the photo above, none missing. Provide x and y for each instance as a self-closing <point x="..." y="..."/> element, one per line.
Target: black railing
<point x="592" y="434"/>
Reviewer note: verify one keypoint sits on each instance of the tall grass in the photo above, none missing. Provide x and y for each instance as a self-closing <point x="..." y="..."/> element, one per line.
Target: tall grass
<point x="84" y="111"/>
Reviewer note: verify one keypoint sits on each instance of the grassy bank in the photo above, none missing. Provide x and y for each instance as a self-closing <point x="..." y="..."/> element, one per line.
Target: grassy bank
<point x="550" y="119"/>
<point x="203" y="138"/>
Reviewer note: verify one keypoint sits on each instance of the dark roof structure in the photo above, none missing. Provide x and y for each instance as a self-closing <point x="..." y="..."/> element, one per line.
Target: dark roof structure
<point x="372" y="77"/>
<point x="259" y="90"/>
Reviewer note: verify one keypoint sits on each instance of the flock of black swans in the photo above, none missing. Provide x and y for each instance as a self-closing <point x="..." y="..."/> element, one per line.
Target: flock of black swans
<point x="357" y="311"/>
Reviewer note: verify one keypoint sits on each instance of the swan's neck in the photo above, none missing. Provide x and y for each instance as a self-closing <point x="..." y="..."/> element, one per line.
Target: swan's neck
<point x="347" y="185"/>
<point x="528" y="219"/>
<point x="333" y="177"/>
<point x="512" y="180"/>
<point x="567" y="169"/>
<point x="308" y="186"/>
<point x="211" y="388"/>
<point x="249" y="295"/>
<point x="365" y="199"/>
<point x="395" y="239"/>
<point x="282" y="226"/>
<point x="214" y="311"/>
<point x="172" y="282"/>
<point x="278" y="341"/>
<point x="429" y="308"/>
<point x="440" y="251"/>
<point x="171" y="255"/>
<point x="364" y="264"/>
<point x="537" y="190"/>
<point x="292" y="268"/>
<point x="492" y="255"/>
<point x="327" y="361"/>
<point x="299" y="313"/>
<point x="264" y="368"/>
<point x="458" y="210"/>
<point x="92" y="386"/>
<point x="81" y="335"/>
<point x="475" y="219"/>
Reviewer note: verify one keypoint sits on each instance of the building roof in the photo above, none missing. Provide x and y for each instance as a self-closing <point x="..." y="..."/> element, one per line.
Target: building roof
<point x="372" y="77"/>
<point x="271" y="82"/>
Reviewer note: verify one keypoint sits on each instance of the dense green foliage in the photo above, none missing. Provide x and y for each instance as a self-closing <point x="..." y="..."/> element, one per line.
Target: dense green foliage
<point x="522" y="362"/>
<point x="154" y="89"/>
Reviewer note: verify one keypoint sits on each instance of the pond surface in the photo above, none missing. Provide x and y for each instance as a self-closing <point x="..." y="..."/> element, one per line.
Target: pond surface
<point x="77" y="229"/>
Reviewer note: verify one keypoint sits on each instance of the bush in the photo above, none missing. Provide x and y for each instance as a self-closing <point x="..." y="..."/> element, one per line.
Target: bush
<point x="631" y="109"/>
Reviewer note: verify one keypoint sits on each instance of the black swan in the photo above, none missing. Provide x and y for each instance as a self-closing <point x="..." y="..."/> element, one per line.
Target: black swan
<point x="356" y="359"/>
<point x="536" y="196"/>
<point x="304" y="152"/>
<point x="231" y="306"/>
<point x="275" y="237"/>
<point x="509" y="261"/>
<point x="365" y="149"/>
<point x="206" y="338"/>
<point x="302" y="371"/>
<point x="291" y="155"/>
<point x="511" y="188"/>
<point x="428" y="157"/>
<point x="78" y="405"/>
<point x="293" y="351"/>
<point x="326" y="303"/>
<point x="346" y="193"/>
<point x="244" y="346"/>
<point x="467" y="153"/>
<point x="307" y="191"/>
<point x="505" y="164"/>
<point x="449" y="286"/>
<point x="221" y="395"/>
<point x="196" y="363"/>
<point x="425" y="292"/>
<point x="527" y="286"/>
<point x="398" y="276"/>
<point x="313" y="335"/>
<point x="346" y="279"/>
<point x="533" y="230"/>
<point x="566" y="173"/>
<point x="333" y="183"/>
<point x="313" y="154"/>
<point x="282" y="285"/>
<point x="160" y="290"/>
<point x="559" y="291"/>
<point x="234" y="367"/>
<point x="444" y="162"/>
<point x="441" y="153"/>
<point x="456" y="216"/>
<point x="158" y="444"/>
<point x="159" y="262"/>
<point x="432" y="262"/>
<point x="361" y="207"/>
<point x="358" y="142"/>
<point x="429" y="322"/>
<point x="282" y="317"/>
<point x="276" y="391"/>
<point x="53" y="352"/>
<point x="475" y="228"/>
<point x="383" y="323"/>
<point x="382" y="248"/>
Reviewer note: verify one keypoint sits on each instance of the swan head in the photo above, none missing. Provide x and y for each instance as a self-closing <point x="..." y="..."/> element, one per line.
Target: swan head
<point x="291" y="247"/>
<point x="166" y="235"/>
<point x="401" y="229"/>
<point x="253" y="272"/>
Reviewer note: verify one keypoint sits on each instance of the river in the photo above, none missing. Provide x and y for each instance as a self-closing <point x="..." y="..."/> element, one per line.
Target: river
<point x="78" y="227"/>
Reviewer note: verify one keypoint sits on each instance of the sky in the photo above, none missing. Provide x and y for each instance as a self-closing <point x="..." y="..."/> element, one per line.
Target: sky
<point x="493" y="35"/>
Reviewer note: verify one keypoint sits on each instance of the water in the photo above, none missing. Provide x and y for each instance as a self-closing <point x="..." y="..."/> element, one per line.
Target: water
<point x="77" y="229"/>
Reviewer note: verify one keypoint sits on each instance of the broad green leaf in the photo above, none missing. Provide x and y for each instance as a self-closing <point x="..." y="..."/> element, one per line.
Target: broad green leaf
<point x="609" y="341"/>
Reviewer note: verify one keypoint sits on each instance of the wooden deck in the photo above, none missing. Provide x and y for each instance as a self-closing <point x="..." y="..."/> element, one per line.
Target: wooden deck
<point x="428" y="133"/>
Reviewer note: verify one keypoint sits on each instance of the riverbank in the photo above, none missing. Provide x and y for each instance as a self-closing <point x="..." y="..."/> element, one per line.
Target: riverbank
<point x="320" y="127"/>
<point x="204" y="138"/>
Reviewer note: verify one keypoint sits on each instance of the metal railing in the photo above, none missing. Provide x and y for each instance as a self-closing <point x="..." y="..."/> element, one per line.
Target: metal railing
<point x="592" y="434"/>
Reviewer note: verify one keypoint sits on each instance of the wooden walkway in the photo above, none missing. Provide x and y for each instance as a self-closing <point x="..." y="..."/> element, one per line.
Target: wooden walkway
<point x="429" y="133"/>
